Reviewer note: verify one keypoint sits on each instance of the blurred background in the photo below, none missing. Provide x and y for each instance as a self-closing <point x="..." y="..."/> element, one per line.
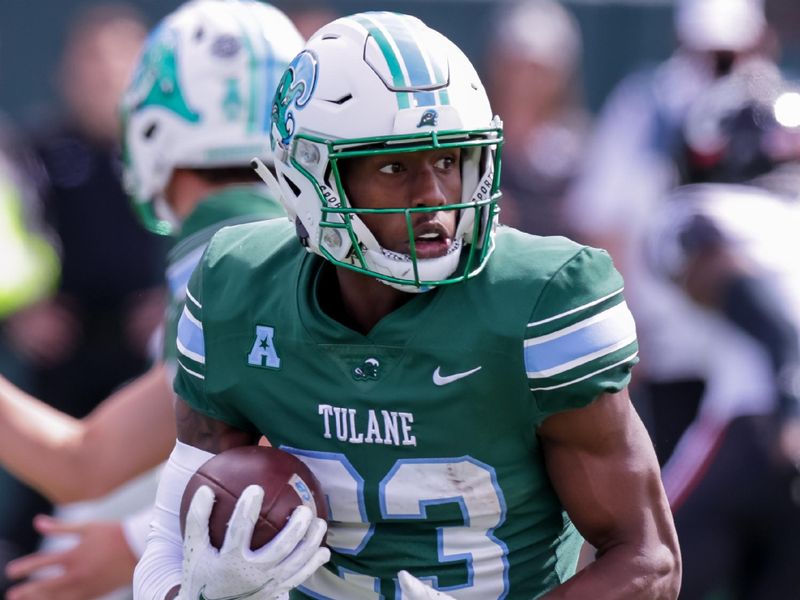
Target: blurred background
<point x="618" y="36"/>
<point x="611" y="108"/>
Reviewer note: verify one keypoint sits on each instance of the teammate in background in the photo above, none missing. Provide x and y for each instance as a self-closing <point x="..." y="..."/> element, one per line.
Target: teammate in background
<point x="630" y="166"/>
<point x="193" y="119"/>
<point x="492" y="427"/>
<point x="732" y="480"/>
<point x="545" y="123"/>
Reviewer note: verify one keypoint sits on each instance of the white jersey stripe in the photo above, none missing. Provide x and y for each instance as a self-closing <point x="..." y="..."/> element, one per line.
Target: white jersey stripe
<point x="587" y="376"/>
<point x="189" y="371"/>
<point x="574" y="310"/>
<point x="193" y="299"/>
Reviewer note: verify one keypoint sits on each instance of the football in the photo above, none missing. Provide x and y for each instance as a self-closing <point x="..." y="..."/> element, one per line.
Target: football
<point x="286" y="480"/>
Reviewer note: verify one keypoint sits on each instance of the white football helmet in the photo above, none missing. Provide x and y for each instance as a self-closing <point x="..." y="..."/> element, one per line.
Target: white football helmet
<point x="199" y="97"/>
<point x="381" y="82"/>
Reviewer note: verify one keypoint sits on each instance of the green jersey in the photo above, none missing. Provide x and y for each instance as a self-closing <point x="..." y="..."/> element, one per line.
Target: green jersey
<point x="231" y="206"/>
<point x="423" y="431"/>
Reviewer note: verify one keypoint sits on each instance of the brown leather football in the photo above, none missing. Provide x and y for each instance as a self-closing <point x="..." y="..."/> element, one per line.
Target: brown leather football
<point x="286" y="480"/>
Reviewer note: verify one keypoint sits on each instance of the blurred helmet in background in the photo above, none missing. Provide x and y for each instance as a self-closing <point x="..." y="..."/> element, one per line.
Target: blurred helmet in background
<point x="200" y="96"/>
<point x="720" y="25"/>
<point x="743" y="127"/>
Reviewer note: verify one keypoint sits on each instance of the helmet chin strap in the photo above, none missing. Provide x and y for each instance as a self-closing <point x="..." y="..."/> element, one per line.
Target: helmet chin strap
<point x="401" y="266"/>
<point x="266" y="175"/>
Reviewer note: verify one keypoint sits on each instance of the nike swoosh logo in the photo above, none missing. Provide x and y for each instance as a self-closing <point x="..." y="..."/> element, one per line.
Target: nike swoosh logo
<point x="243" y="596"/>
<point x="439" y="379"/>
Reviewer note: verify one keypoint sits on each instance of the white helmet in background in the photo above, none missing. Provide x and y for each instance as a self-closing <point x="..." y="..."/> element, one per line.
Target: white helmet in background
<point x="375" y="83"/>
<point x="200" y="96"/>
<point x="714" y="25"/>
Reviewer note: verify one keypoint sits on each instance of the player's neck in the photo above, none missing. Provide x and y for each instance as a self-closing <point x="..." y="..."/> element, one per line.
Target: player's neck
<point x="357" y="301"/>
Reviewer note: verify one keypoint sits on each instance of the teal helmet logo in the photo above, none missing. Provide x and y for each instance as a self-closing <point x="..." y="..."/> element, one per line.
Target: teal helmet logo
<point x="430" y="118"/>
<point x="295" y="89"/>
<point x="156" y="81"/>
<point x="368" y="370"/>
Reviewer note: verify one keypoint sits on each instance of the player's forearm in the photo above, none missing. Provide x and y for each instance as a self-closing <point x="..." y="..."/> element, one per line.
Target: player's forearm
<point x="625" y="573"/>
<point x="130" y="432"/>
<point x="68" y="459"/>
<point x="159" y="573"/>
<point x="37" y="443"/>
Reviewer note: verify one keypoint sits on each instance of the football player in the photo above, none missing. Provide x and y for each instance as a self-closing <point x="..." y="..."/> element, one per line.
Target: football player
<point x="729" y="251"/>
<point x="459" y="389"/>
<point x="195" y="113"/>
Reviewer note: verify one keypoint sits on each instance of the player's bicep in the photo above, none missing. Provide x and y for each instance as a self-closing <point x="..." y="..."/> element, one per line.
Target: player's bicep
<point x="603" y="467"/>
<point x="209" y="434"/>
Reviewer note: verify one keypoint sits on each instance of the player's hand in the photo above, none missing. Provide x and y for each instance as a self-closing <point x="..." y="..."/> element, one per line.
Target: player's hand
<point x="413" y="589"/>
<point x="237" y="571"/>
<point x="100" y="563"/>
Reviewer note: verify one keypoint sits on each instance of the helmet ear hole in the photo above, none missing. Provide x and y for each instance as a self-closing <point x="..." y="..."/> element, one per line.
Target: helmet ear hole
<point x="199" y="34"/>
<point x="292" y="185"/>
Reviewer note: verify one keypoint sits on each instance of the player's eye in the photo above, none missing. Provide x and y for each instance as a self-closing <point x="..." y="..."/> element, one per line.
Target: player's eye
<point x="446" y="162"/>
<point x="391" y="168"/>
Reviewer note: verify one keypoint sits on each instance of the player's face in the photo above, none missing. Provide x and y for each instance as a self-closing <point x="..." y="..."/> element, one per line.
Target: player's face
<point x="408" y="180"/>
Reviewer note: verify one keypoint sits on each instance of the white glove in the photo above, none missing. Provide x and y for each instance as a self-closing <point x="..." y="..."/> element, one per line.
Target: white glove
<point x="413" y="589"/>
<point x="235" y="571"/>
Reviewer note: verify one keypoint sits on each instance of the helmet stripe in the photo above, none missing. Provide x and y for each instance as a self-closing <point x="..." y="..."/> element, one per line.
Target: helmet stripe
<point x="391" y="56"/>
<point x="410" y="65"/>
<point x="416" y="52"/>
<point x="417" y="64"/>
<point x="252" y="64"/>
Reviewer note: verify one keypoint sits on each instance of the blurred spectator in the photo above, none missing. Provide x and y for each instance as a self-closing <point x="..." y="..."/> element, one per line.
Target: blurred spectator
<point x="532" y="73"/>
<point x="92" y="334"/>
<point x="631" y="166"/>
<point x="309" y="15"/>
<point x="29" y="269"/>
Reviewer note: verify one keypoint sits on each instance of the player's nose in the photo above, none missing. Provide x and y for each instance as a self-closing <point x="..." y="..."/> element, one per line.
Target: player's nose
<point x="427" y="189"/>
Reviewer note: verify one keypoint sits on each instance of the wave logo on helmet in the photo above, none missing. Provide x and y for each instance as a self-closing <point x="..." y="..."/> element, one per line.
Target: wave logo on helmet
<point x="295" y="89"/>
<point x="430" y="118"/>
<point x="156" y="81"/>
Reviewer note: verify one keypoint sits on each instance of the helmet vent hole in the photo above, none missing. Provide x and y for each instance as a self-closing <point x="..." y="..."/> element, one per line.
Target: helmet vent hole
<point x="330" y="36"/>
<point x="150" y="131"/>
<point x="343" y="99"/>
<point x="199" y="34"/>
<point x="292" y="185"/>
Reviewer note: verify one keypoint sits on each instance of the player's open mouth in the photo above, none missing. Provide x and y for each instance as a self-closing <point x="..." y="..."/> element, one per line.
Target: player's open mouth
<point x="432" y="240"/>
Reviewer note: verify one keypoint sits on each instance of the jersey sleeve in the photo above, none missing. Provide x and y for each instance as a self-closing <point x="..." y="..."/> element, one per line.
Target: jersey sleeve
<point x="581" y="338"/>
<point x="190" y="344"/>
<point x="194" y="369"/>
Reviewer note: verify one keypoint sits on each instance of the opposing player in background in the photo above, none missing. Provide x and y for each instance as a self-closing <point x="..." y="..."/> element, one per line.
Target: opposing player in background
<point x="458" y="389"/>
<point x="730" y="250"/>
<point x="193" y="118"/>
<point x="630" y="166"/>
